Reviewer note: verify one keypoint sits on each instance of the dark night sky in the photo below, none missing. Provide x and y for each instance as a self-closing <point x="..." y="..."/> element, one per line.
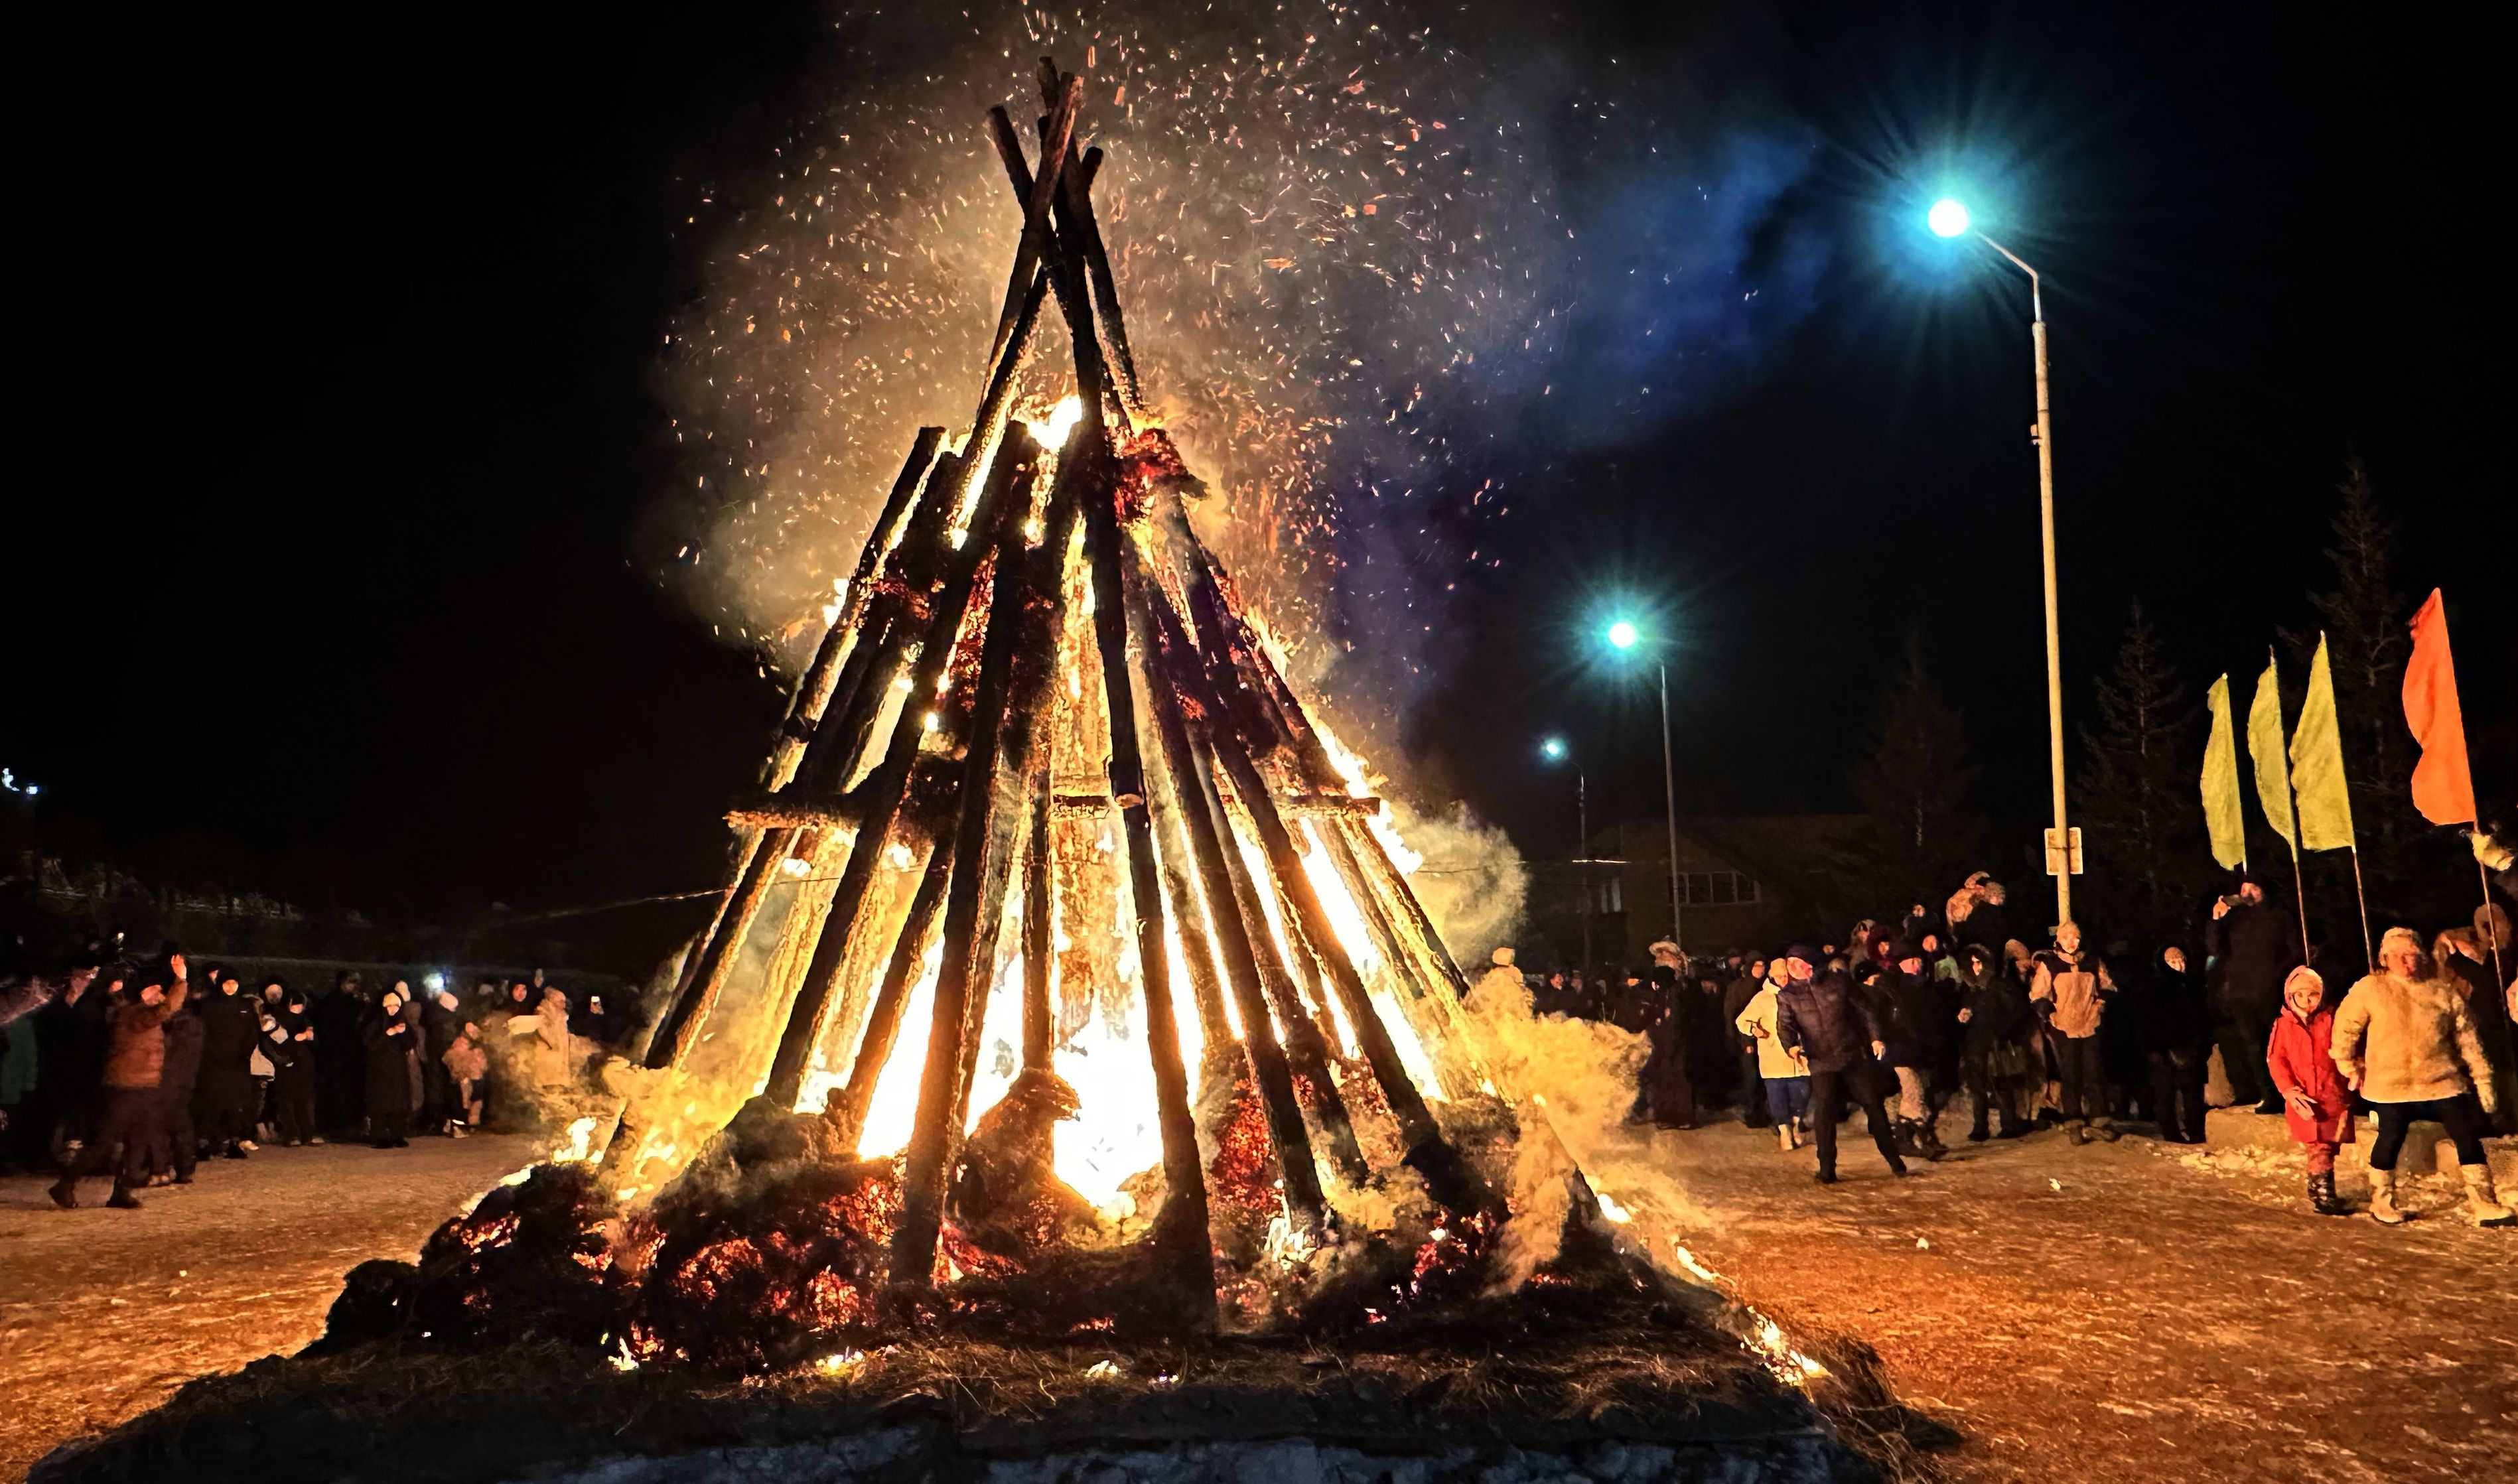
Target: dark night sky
<point x="341" y="359"/>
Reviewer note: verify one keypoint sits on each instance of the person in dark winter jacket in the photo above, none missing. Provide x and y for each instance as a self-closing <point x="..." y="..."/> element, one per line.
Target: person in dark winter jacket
<point x="2460" y="952"/>
<point x="388" y="1041"/>
<point x="441" y="1020"/>
<point x="1993" y="1042"/>
<point x="2254" y="945"/>
<point x="339" y="1069"/>
<point x="1919" y="1029"/>
<point x="178" y="1149"/>
<point x="71" y="1036"/>
<point x="2173" y="1026"/>
<point x="1666" y="1091"/>
<point x="292" y="1082"/>
<point x="223" y="1098"/>
<point x="1829" y="1029"/>
<point x="135" y="1062"/>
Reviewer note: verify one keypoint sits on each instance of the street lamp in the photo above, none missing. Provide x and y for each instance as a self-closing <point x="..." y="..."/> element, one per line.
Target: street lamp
<point x="1554" y="750"/>
<point x="1624" y="637"/>
<point x="1950" y="218"/>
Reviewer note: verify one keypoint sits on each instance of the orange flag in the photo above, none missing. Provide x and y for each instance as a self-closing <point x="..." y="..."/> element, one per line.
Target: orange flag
<point x="2443" y="784"/>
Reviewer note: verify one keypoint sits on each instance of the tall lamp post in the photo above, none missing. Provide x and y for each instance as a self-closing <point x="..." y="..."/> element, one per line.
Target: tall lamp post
<point x="1950" y="218"/>
<point x="1554" y="750"/>
<point x="1624" y="637"/>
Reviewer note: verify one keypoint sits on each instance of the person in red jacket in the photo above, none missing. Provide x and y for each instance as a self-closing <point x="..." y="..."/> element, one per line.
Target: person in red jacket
<point x="2316" y="1105"/>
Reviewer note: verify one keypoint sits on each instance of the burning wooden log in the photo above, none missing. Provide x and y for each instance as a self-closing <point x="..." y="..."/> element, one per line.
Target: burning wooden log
<point x="1181" y="1227"/>
<point x="891" y="996"/>
<point x="752" y="857"/>
<point x="1268" y="1070"/>
<point x="1040" y="905"/>
<point x="1446" y="1175"/>
<point x="982" y="843"/>
<point x="1007" y="489"/>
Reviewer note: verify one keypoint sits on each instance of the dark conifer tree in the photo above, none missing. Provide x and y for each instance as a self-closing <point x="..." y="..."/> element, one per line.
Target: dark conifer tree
<point x="1920" y="836"/>
<point x="2137" y="796"/>
<point x="2363" y="619"/>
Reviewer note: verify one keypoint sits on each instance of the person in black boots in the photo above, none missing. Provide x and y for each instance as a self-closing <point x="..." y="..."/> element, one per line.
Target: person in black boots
<point x="1993" y="1043"/>
<point x="1744" y="1048"/>
<point x="2070" y="992"/>
<point x="177" y="1148"/>
<point x="1920" y="1023"/>
<point x="1828" y="1029"/>
<point x="289" y="1041"/>
<point x="2173" y="1026"/>
<point x="389" y="1043"/>
<point x="2254" y="945"/>
<point x="223" y="1098"/>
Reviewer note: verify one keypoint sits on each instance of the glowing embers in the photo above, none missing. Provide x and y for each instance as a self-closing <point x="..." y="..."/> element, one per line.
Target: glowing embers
<point x="760" y="1266"/>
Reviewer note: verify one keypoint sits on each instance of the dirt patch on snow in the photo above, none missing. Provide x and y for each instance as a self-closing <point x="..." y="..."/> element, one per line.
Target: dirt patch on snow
<point x="2119" y="1312"/>
<point x="105" y="1313"/>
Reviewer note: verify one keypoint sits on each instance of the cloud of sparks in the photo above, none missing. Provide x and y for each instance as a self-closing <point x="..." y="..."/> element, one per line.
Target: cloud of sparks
<point x="1357" y="296"/>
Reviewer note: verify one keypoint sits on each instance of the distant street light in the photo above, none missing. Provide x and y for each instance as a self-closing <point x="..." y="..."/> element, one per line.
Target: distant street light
<point x="1554" y="750"/>
<point x="1624" y="637"/>
<point x="1950" y="218"/>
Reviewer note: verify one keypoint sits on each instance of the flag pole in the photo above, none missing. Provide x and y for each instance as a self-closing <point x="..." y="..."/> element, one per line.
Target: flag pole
<point x="2493" y="920"/>
<point x="2369" y="955"/>
<point x="2298" y="878"/>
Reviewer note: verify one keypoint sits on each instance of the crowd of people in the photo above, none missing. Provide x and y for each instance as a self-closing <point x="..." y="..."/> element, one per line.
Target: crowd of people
<point x="1951" y="1011"/>
<point x="138" y="1072"/>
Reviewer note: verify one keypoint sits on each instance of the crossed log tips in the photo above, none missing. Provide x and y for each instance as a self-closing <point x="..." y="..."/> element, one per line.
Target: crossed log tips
<point x="1005" y="629"/>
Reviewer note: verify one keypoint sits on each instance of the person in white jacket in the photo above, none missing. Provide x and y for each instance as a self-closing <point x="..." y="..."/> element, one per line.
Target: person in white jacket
<point x="1786" y="1076"/>
<point x="2404" y="1041"/>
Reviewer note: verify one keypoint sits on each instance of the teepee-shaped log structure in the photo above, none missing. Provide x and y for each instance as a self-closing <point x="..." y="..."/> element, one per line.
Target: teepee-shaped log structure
<point x="1045" y="761"/>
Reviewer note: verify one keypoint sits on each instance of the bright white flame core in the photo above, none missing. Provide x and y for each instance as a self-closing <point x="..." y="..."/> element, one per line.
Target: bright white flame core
<point x="1052" y="433"/>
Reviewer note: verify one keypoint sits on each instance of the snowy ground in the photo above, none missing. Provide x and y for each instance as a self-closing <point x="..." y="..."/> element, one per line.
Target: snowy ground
<point x="2119" y="1312"/>
<point x="104" y="1313"/>
<point x="2125" y="1312"/>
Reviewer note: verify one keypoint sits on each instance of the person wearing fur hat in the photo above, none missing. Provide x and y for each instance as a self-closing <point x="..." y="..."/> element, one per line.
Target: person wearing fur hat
<point x="1978" y="912"/>
<point x="2404" y="1041"/>
<point x="2318" y="1105"/>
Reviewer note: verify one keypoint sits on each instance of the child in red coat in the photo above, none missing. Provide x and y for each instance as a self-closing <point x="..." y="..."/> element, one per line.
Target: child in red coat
<point x="2319" y="1107"/>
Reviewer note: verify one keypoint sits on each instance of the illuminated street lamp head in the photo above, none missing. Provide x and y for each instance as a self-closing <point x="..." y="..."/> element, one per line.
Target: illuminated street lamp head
<point x="1948" y="217"/>
<point x="1553" y="749"/>
<point x="1624" y="635"/>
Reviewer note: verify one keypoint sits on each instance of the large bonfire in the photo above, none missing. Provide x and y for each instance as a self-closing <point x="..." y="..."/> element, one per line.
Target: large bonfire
<point x="1067" y="981"/>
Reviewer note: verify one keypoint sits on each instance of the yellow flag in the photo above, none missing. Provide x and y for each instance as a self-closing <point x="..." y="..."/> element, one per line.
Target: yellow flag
<point x="2265" y="750"/>
<point x="2317" y="764"/>
<point x="2221" y="818"/>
